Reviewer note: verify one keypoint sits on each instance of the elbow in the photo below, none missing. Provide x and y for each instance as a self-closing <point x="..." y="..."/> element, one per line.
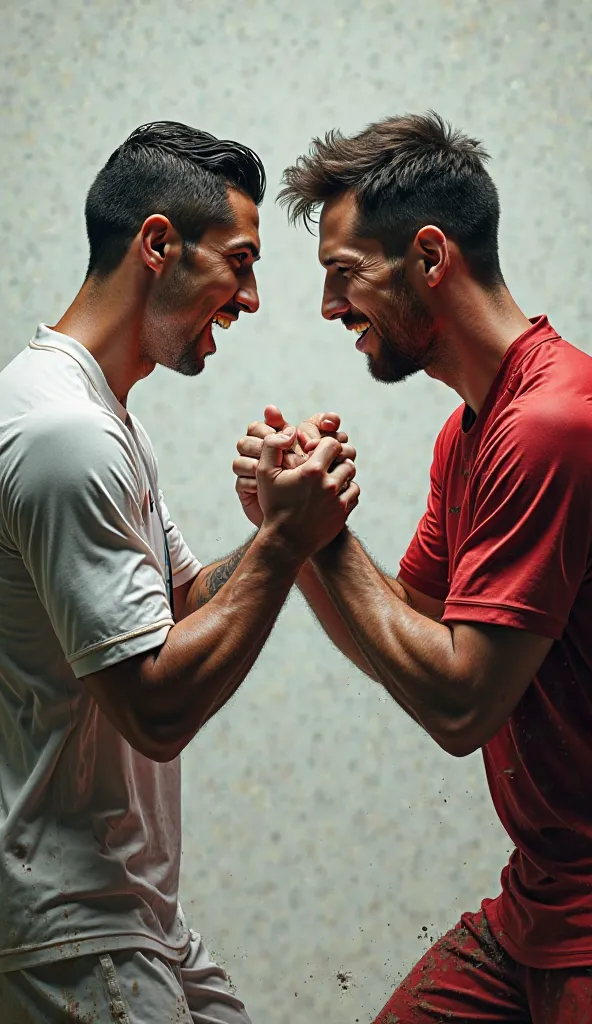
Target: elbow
<point x="460" y="735"/>
<point x="158" y="734"/>
<point x="155" y="747"/>
<point x="158" y="741"/>
<point x="457" y="745"/>
<point x="160" y="752"/>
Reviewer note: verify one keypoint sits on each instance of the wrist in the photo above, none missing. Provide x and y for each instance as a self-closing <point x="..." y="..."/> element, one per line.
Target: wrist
<point x="271" y="540"/>
<point x="330" y="555"/>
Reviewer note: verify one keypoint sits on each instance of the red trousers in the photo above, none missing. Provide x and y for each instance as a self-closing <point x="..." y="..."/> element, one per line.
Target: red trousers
<point x="468" y="978"/>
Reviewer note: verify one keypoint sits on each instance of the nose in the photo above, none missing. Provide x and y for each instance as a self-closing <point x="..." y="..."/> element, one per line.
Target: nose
<point x="247" y="297"/>
<point x="334" y="304"/>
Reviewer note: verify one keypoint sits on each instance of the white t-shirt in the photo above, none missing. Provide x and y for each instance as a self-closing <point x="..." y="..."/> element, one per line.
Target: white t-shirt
<point x="90" y="830"/>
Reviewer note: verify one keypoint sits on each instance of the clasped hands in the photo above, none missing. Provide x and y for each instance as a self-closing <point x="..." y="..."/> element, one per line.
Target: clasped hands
<point x="299" y="481"/>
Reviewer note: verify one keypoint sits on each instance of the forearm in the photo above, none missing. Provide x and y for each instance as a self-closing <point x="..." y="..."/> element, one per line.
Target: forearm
<point x="410" y="654"/>
<point x="208" y="654"/>
<point x="320" y="603"/>
<point x="212" y="578"/>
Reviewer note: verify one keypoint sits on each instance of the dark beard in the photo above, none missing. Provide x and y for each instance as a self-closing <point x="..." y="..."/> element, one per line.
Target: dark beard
<point x="408" y="338"/>
<point x="189" y="363"/>
<point x="392" y="365"/>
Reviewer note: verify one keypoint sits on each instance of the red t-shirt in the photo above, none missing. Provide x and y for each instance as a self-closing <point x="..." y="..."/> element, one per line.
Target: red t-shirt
<point x="507" y="539"/>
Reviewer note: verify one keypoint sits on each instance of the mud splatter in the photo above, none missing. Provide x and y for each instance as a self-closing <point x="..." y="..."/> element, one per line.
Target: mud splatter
<point x="345" y="979"/>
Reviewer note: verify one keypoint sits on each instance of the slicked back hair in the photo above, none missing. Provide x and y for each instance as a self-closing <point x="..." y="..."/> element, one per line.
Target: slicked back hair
<point x="167" y="168"/>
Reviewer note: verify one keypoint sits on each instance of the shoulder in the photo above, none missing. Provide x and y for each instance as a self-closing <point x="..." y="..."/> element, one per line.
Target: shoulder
<point x="541" y="442"/>
<point x="61" y="446"/>
<point x="548" y="424"/>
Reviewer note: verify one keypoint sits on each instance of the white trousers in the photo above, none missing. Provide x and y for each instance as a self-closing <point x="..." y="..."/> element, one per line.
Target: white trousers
<point x="123" y="987"/>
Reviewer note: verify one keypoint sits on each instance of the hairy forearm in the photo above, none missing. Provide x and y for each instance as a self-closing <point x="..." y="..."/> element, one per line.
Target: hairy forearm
<point x="208" y="654"/>
<point x="410" y="654"/>
<point x="321" y="604"/>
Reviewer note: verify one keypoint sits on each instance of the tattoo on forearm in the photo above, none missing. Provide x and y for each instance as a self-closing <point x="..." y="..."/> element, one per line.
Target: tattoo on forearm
<point x="219" y="575"/>
<point x="222" y="573"/>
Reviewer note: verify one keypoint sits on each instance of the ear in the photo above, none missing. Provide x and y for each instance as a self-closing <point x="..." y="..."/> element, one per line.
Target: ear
<point x="431" y="254"/>
<point x="159" y="241"/>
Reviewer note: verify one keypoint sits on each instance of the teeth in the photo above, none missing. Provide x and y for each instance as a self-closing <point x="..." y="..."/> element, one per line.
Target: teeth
<point x="222" y="321"/>
<point x="360" y="328"/>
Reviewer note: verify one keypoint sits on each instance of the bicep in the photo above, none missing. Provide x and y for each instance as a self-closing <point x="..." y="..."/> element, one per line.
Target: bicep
<point x="431" y="607"/>
<point x="120" y="690"/>
<point x="180" y="595"/>
<point x="493" y="668"/>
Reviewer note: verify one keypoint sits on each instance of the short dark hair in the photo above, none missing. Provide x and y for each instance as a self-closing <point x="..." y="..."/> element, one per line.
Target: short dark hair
<point x="405" y="172"/>
<point x="169" y="168"/>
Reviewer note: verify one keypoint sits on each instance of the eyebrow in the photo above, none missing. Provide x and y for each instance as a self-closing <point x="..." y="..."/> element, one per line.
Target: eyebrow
<point x="330" y="261"/>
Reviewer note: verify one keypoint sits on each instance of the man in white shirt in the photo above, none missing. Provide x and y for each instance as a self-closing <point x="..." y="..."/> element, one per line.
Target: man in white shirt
<point x="116" y="646"/>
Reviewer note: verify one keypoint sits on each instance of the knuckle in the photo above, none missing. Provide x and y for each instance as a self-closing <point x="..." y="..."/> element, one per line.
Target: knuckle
<point x="311" y="469"/>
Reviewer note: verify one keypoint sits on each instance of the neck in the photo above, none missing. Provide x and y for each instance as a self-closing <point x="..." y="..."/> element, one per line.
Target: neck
<point x="479" y="326"/>
<point x="106" y="318"/>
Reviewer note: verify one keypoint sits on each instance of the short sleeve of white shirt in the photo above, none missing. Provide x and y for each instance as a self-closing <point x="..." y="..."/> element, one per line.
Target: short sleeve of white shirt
<point x="183" y="563"/>
<point x="74" y="510"/>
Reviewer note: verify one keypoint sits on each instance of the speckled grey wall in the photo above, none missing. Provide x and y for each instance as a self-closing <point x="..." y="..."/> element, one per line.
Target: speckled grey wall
<point x="323" y="832"/>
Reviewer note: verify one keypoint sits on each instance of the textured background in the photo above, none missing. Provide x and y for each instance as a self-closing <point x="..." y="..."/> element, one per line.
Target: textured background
<point x="323" y="832"/>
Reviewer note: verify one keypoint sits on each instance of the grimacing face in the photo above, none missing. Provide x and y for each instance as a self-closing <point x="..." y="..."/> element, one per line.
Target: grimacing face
<point x="373" y="296"/>
<point x="209" y="285"/>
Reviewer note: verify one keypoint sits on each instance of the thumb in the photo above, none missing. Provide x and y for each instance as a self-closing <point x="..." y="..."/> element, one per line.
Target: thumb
<point x="273" y="417"/>
<point x="274" y="446"/>
<point x="329" y="422"/>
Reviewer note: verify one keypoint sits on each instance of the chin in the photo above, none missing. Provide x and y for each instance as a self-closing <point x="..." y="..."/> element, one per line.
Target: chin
<point x="190" y="367"/>
<point x="387" y="372"/>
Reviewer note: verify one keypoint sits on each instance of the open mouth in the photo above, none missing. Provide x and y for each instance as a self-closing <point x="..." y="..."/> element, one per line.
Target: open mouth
<point x="361" y="328"/>
<point x="224" y="318"/>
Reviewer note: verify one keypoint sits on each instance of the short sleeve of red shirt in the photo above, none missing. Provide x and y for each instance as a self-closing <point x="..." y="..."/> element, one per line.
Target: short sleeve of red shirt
<point x="530" y="520"/>
<point x="425" y="563"/>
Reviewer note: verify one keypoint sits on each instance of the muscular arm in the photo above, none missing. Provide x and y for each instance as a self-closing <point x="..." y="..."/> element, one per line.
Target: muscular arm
<point x="209" y="580"/>
<point x="198" y="592"/>
<point x="171" y="692"/>
<point x="329" y="615"/>
<point x="159" y="700"/>
<point x="309" y="581"/>
<point x="460" y="681"/>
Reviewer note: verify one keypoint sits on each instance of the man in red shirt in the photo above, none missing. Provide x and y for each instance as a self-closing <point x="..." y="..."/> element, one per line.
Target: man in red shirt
<point x="485" y="637"/>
